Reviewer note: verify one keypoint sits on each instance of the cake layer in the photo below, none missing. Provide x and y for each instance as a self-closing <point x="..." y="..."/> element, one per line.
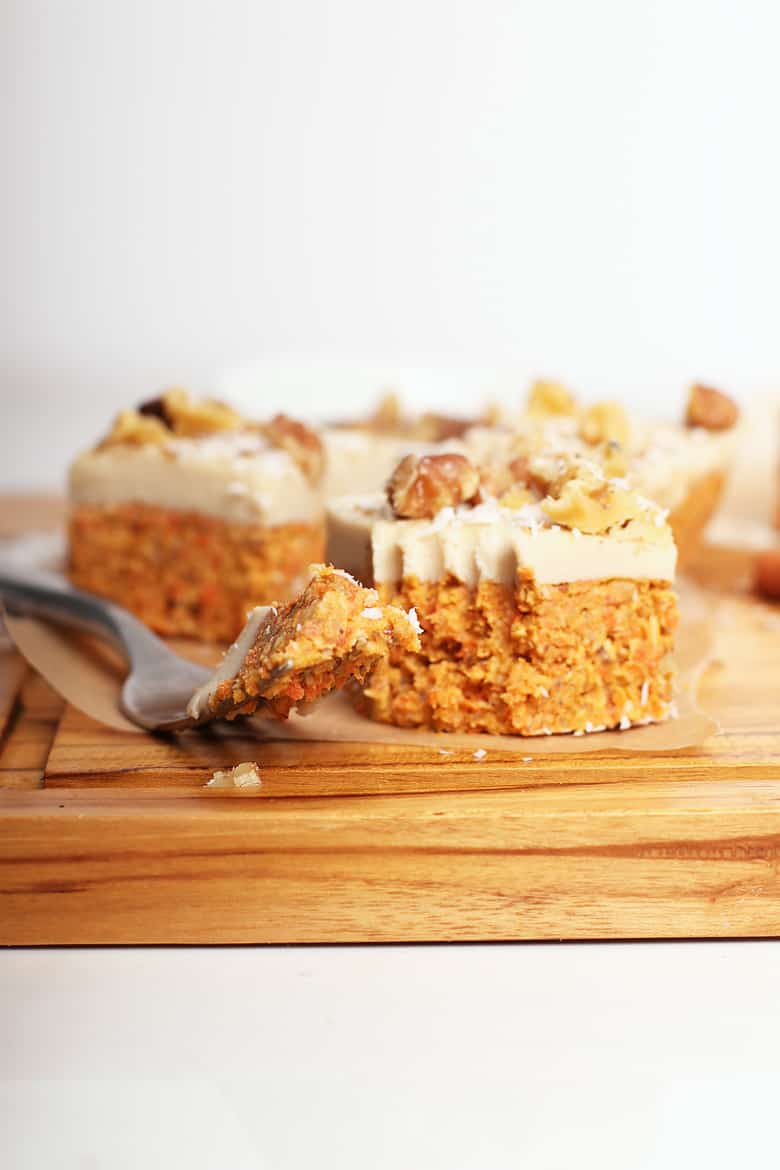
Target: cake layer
<point x="529" y="659"/>
<point x="236" y="476"/>
<point x="185" y="573"/>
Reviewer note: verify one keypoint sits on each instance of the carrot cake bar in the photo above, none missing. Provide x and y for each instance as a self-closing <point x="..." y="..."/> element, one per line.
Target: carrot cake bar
<point x="549" y="609"/>
<point x="190" y="515"/>
<point x="333" y="632"/>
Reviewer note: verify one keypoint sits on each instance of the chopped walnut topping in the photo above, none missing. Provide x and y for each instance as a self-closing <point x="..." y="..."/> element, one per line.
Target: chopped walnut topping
<point x="547" y="397"/>
<point x="590" y="503"/>
<point x="710" y="409"/>
<point x="302" y="444"/>
<point x="513" y="482"/>
<point x="516" y="497"/>
<point x="421" y="486"/>
<point x="604" y="422"/>
<point x="190" y="418"/>
<point x="613" y="459"/>
<point x="766" y="573"/>
<point x="138" y="430"/>
<point x="154" y="408"/>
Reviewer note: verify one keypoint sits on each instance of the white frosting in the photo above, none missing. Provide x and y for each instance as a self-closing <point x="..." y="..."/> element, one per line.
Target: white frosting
<point x="362" y="461"/>
<point x="231" y="662"/>
<point x="235" y="476"/>
<point x="349" y="532"/>
<point x="494" y="543"/>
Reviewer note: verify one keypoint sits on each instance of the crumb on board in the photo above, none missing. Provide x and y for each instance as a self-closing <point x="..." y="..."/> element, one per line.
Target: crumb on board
<point x="245" y="775"/>
<point x="528" y="759"/>
<point x="480" y="754"/>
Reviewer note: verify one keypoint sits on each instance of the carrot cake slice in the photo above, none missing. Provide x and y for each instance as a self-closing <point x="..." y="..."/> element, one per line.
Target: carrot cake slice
<point x="548" y="609"/>
<point x="189" y="515"/>
<point x="333" y="632"/>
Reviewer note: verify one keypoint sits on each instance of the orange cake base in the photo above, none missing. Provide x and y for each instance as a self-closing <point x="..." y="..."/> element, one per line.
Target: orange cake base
<point x="184" y="573"/>
<point x="528" y="659"/>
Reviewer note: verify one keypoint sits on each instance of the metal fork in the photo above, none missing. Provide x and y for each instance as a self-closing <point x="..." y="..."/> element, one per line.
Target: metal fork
<point x="160" y="683"/>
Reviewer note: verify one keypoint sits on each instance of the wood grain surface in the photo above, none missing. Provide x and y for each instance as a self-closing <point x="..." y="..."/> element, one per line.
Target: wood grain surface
<point x="107" y="837"/>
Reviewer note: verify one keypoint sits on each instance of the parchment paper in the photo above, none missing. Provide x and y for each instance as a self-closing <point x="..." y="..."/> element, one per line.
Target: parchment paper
<point x="89" y="676"/>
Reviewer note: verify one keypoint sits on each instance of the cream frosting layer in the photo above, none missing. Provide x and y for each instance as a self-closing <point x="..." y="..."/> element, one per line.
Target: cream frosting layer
<point x="231" y="662"/>
<point x="235" y="476"/>
<point x="493" y="543"/>
<point x="362" y="461"/>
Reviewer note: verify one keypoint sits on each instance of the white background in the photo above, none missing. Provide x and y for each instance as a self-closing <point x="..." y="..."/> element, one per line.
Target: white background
<point x="351" y="192"/>
<point x="577" y="1057"/>
<point x="297" y="201"/>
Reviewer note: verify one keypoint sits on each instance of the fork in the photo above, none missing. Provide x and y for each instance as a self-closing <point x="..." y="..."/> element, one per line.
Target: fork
<point x="159" y="684"/>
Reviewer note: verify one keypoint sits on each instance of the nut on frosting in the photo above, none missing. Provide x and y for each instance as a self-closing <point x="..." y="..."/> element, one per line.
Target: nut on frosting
<point x="173" y="414"/>
<point x="710" y="409"/>
<point x="604" y="422"/>
<point x="421" y="486"/>
<point x="136" y="429"/>
<point x="581" y="498"/>
<point x="547" y="397"/>
<point x="302" y="445"/>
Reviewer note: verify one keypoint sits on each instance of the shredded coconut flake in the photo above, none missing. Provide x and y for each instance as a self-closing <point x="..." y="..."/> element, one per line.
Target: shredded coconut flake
<point x="414" y="621"/>
<point x="373" y="612"/>
<point x="625" y="723"/>
<point x="480" y="754"/>
<point x="645" y="692"/>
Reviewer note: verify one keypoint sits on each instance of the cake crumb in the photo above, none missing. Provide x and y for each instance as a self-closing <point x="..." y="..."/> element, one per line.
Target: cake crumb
<point x="246" y="775"/>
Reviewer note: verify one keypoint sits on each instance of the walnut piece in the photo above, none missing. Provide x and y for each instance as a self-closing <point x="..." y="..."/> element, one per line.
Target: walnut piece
<point x="421" y="486"/>
<point x="138" y="430"/>
<point x="604" y="422"/>
<point x="710" y="409"/>
<point x="301" y="443"/>
<point x="546" y="397"/>
<point x="513" y="482"/>
<point x="591" y="504"/>
<point x="190" y="418"/>
<point x="613" y="459"/>
<point x="766" y="573"/>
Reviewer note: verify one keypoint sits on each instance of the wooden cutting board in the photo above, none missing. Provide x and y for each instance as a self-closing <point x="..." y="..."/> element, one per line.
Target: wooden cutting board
<point x="112" y="837"/>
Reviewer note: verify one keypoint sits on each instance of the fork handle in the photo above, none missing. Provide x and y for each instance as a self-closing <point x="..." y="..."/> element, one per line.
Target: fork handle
<point x="46" y="595"/>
